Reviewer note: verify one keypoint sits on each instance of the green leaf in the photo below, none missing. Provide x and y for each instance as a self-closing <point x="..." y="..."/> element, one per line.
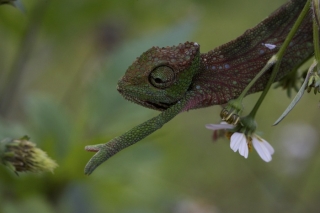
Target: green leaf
<point x="297" y="98"/>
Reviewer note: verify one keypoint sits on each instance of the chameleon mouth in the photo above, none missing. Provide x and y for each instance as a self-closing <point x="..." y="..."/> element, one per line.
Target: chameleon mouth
<point x="157" y="106"/>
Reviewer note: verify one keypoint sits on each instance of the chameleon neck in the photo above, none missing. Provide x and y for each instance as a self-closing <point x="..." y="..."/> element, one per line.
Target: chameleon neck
<point x="226" y="70"/>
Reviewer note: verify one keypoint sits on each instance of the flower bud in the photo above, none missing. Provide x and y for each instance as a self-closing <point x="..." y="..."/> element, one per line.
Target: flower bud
<point x="22" y="155"/>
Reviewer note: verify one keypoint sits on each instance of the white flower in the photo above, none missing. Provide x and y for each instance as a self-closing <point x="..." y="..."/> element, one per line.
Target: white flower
<point x="219" y="129"/>
<point x="242" y="143"/>
<point x="222" y="125"/>
<point x="238" y="141"/>
<point x="264" y="149"/>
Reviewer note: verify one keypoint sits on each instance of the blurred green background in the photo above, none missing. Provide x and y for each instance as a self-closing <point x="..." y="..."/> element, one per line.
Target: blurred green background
<point x="59" y="66"/>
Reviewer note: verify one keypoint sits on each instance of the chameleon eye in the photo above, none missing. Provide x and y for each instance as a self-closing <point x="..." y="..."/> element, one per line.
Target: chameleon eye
<point x="162" y="77"/>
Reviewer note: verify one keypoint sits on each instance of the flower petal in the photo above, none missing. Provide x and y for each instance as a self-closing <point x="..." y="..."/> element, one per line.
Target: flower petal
<point x="263" y="148"/>
<point x="268" y="146"/>
<point x="236" y="140"/>
<point x="243" y="149"/>
<point x="219" y="126"/>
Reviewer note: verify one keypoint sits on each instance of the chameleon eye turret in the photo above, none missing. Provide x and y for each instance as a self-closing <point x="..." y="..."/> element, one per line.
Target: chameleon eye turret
<point x="162" y="77"/>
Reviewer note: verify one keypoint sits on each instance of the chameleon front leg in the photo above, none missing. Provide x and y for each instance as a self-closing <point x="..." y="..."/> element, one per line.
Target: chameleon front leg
<point x="105" y="151"/>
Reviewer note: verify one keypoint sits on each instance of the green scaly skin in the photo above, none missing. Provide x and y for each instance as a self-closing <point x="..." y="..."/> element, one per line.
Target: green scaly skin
<point x="179" y="78"/>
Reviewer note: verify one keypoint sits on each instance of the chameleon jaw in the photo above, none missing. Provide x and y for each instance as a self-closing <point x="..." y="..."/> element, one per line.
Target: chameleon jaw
<point x="148" y="104"/>
<point x="157" y="106"/>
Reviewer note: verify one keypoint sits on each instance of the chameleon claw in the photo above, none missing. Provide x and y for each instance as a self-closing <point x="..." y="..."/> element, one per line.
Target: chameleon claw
<point x="93" y="148"/>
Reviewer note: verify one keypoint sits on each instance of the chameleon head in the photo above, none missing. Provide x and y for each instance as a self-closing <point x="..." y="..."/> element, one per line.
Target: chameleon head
<point x="160" y="77"/>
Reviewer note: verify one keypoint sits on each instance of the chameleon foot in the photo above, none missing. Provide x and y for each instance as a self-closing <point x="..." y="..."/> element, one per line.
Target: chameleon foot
<point x="102" y="154"/>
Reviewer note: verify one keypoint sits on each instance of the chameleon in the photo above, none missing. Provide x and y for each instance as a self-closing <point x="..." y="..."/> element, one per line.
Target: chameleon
<point x="179" y="78"/>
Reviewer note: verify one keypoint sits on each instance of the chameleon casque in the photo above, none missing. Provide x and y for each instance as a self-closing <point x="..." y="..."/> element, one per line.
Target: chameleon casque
<point x="179" y="78"/>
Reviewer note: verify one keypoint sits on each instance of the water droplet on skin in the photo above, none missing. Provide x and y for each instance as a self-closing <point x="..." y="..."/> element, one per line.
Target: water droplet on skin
<point x="270" y="46"/>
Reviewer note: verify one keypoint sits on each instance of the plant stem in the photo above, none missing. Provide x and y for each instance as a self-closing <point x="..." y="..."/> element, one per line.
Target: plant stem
<point x="9" y="92"/>
<point x="279" y="56"/>
<point x="316" y="43"/>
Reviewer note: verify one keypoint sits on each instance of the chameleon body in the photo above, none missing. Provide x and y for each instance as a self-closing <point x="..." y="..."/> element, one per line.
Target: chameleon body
<point x="179" y="78"/>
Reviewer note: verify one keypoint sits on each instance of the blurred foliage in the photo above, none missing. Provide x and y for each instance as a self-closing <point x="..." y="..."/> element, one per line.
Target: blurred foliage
<point x="59" y="65"/>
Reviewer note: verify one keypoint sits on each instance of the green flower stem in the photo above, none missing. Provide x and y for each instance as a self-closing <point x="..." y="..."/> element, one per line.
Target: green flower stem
<point x="9" y="91"/>
<point x="316" y="12"/>
<point x="279" y="56"/>
<point x="235" y="106"/>
<point x="310" y="78"/>
<point x="316" y="43"/>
